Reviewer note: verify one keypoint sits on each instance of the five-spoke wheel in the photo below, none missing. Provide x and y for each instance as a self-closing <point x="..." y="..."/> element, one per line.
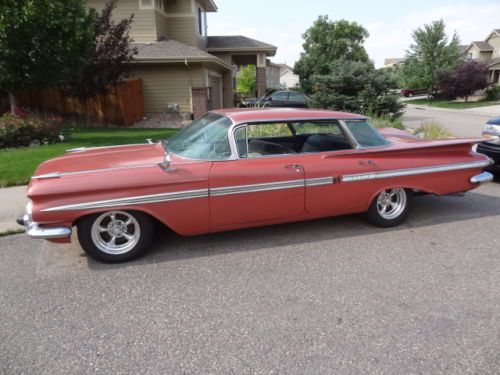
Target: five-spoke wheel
<point x="115" y="236"/>
<point x="390" y="207"/>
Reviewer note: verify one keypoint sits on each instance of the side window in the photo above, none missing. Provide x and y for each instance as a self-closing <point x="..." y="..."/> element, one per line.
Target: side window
<point x="258" y="140"/>
<point x="321" y="136"/>
<point x="280" y="96"/>
<point x="295" y="97"/>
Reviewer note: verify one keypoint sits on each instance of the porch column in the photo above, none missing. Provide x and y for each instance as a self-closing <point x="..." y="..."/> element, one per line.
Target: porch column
<point x="261" y="75"/>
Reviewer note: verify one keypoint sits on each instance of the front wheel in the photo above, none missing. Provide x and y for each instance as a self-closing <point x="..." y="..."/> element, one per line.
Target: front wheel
<point x="115" y="236"/>
<point x="390" y="207"/>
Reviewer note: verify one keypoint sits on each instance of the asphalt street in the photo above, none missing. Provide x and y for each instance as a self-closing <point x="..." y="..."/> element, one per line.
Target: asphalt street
<point x="332" y="296"/>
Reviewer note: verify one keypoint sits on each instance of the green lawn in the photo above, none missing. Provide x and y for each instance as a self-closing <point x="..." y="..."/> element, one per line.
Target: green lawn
<point x="18" y="165"/>
<point x="443" y="103"/>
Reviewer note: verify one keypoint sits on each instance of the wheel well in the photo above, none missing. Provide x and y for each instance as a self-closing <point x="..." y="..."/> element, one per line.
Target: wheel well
<point x="156" y="222"/>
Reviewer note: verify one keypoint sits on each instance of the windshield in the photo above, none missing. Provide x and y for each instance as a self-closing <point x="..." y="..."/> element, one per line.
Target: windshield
<point x="365" y="134"/>
<point x="205" y="139"/>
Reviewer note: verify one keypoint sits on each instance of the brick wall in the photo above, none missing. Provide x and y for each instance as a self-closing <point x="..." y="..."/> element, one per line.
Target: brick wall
<point x="200" y="101"/>
<point x="261" y="82"/>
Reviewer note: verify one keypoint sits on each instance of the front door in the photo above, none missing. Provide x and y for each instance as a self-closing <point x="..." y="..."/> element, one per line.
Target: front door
<point x="257" y="187"/>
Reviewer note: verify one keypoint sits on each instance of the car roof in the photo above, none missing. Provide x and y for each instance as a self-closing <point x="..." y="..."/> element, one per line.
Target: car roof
<point x="494" y="121"/>
<point x="239" y="115"/>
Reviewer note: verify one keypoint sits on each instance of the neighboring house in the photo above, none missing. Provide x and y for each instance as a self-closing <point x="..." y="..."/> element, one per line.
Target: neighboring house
<point x="288" y="79"/>
<point x="179" y="64"/>
<point x="273" y="76"/>
<point x="489" y="52"/>
<point x="393" y="62"/>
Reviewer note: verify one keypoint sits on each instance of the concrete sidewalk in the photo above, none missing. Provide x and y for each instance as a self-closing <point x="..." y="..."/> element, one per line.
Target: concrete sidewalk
<point x="12" y="204"/>
<point x="492" y="110"/>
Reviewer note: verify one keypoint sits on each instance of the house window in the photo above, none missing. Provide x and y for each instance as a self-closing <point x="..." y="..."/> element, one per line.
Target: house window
<point x="469" y="55"/>
<point x="146" y="4"/>
<point x="202" y="22"/>
<point x="160" y="4"/>
<point x="496" y="51"/>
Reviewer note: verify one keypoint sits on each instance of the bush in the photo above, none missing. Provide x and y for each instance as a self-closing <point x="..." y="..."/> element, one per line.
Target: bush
<point x="386" y="122"/>
<point x="493" y="93"/>
<point x="432" y="130"/>
<point x="18" y="132"/>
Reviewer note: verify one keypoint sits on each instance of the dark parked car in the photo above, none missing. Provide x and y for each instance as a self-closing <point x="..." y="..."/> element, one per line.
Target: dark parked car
<point x="287" y="99"/>
<point x="491" y="147"/>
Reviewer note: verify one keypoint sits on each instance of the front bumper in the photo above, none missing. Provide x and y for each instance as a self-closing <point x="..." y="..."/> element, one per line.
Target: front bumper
<point x="34" y="230"/>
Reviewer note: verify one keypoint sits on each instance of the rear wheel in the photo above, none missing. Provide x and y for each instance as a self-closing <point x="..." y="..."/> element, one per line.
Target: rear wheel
<point x="115" y="236"/>
<point x="390" y="207"/>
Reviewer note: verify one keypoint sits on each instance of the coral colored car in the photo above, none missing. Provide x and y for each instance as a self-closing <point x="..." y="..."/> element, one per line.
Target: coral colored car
<point x="235" y="169"/>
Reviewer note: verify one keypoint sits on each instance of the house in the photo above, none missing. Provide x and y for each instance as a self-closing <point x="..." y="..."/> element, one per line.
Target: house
<point x="273" y="75"/>
<point x="180" y="65"/>
<point x="288" y="79"/>
<point x="489" y="52"/>
<point x="392" y="62"/>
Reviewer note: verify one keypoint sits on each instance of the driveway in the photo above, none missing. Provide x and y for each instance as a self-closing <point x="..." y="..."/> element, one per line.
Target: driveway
<point x="333" y="296"/>
<point x="461" y="123"/>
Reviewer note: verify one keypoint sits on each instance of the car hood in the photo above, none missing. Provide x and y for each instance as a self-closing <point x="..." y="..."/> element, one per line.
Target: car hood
<point x="102" y="158"/>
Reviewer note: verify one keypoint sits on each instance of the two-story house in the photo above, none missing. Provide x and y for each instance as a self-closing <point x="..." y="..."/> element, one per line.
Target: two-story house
<point x="489" y="52"/>
<point x="179" y="64"/>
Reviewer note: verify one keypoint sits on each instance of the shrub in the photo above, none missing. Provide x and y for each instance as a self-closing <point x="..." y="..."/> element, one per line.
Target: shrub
<point x="386" y="122"/>
<point x="18" y="132"/>
<point x="493" y="93"/>
<point x="432" y="130"/>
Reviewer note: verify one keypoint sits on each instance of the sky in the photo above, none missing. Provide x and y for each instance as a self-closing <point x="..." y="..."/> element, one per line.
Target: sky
<point x="389" y="23"/>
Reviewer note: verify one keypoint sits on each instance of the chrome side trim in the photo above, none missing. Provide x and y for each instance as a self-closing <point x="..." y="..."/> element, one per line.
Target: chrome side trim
<point x="414" y="171"/>
<point x="155" y="198"/>
<point x="62" y="174"/>
<point x="481" y="178"/>
<point x="240" y="189"/>
<point x="319" y="181"/>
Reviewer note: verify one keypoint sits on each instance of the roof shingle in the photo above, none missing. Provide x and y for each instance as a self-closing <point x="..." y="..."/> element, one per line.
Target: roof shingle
<point x="237" y="42"/>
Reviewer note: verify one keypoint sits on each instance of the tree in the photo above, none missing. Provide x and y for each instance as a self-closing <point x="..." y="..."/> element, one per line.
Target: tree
<point x="106" y="58"/>
<point x="429" y="53"/>
<point x="327" y="41"/>
<point x="247" y="80"/>
<point x="356" y="86"/>
<point x="464" y="80"/>
<point x="42" y="42"/>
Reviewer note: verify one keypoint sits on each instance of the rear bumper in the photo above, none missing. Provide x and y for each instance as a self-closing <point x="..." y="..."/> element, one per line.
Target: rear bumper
<point x="35" y="231"/>
<point x="481" y="178"/>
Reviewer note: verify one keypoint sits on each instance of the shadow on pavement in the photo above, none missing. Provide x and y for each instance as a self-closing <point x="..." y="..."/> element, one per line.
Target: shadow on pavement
<point x="427" y="211"/>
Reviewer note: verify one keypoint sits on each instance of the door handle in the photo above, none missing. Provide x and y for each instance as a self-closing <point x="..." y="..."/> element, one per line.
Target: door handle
<point x="366" y="162"/>
<point x="297" y="167"/>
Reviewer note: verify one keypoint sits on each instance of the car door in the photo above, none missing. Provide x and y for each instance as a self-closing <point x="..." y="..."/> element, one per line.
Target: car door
<point x="297" y="100"/>
<point x="279" y="99"/>
<point x="328" y="157"/>
<point x="255" y="189"/>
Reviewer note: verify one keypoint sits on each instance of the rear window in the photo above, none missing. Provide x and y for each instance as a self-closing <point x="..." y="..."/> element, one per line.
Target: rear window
<point x="365" y="134"/>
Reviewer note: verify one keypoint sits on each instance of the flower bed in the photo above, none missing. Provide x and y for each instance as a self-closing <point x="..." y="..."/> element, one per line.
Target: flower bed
<point x="18" y="131"/>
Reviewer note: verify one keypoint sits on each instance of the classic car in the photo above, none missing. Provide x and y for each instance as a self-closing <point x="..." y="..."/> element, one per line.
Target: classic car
<point x="491" y="146"/>
<point x="242" y="168"/>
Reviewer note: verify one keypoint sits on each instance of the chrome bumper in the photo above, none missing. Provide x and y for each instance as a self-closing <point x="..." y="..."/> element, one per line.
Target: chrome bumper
<point x="35" y="231"/>
<point x="481" y="178"/>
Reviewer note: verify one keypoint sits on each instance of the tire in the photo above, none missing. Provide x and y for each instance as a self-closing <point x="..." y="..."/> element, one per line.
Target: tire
<point x="96" y="233"/>
<point x="397" y="202"/>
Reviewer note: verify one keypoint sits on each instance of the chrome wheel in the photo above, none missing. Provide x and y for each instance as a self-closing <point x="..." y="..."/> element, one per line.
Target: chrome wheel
<point x="115" y="232"/>
<point x="391" y="203"/>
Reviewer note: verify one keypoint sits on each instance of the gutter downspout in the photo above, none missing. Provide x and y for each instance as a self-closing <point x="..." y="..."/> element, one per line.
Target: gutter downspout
<point x="190" y="87"/>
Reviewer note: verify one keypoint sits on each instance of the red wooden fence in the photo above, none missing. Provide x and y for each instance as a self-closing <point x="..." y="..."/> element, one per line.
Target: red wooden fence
<point x="124" y="105"/>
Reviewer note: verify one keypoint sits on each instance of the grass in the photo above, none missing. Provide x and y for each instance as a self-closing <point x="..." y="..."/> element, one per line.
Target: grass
<point x="17" y="165"/>
<point x="11" y="232"/>
<point x="432" y="130"/>
<point x="443" y="103"/>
